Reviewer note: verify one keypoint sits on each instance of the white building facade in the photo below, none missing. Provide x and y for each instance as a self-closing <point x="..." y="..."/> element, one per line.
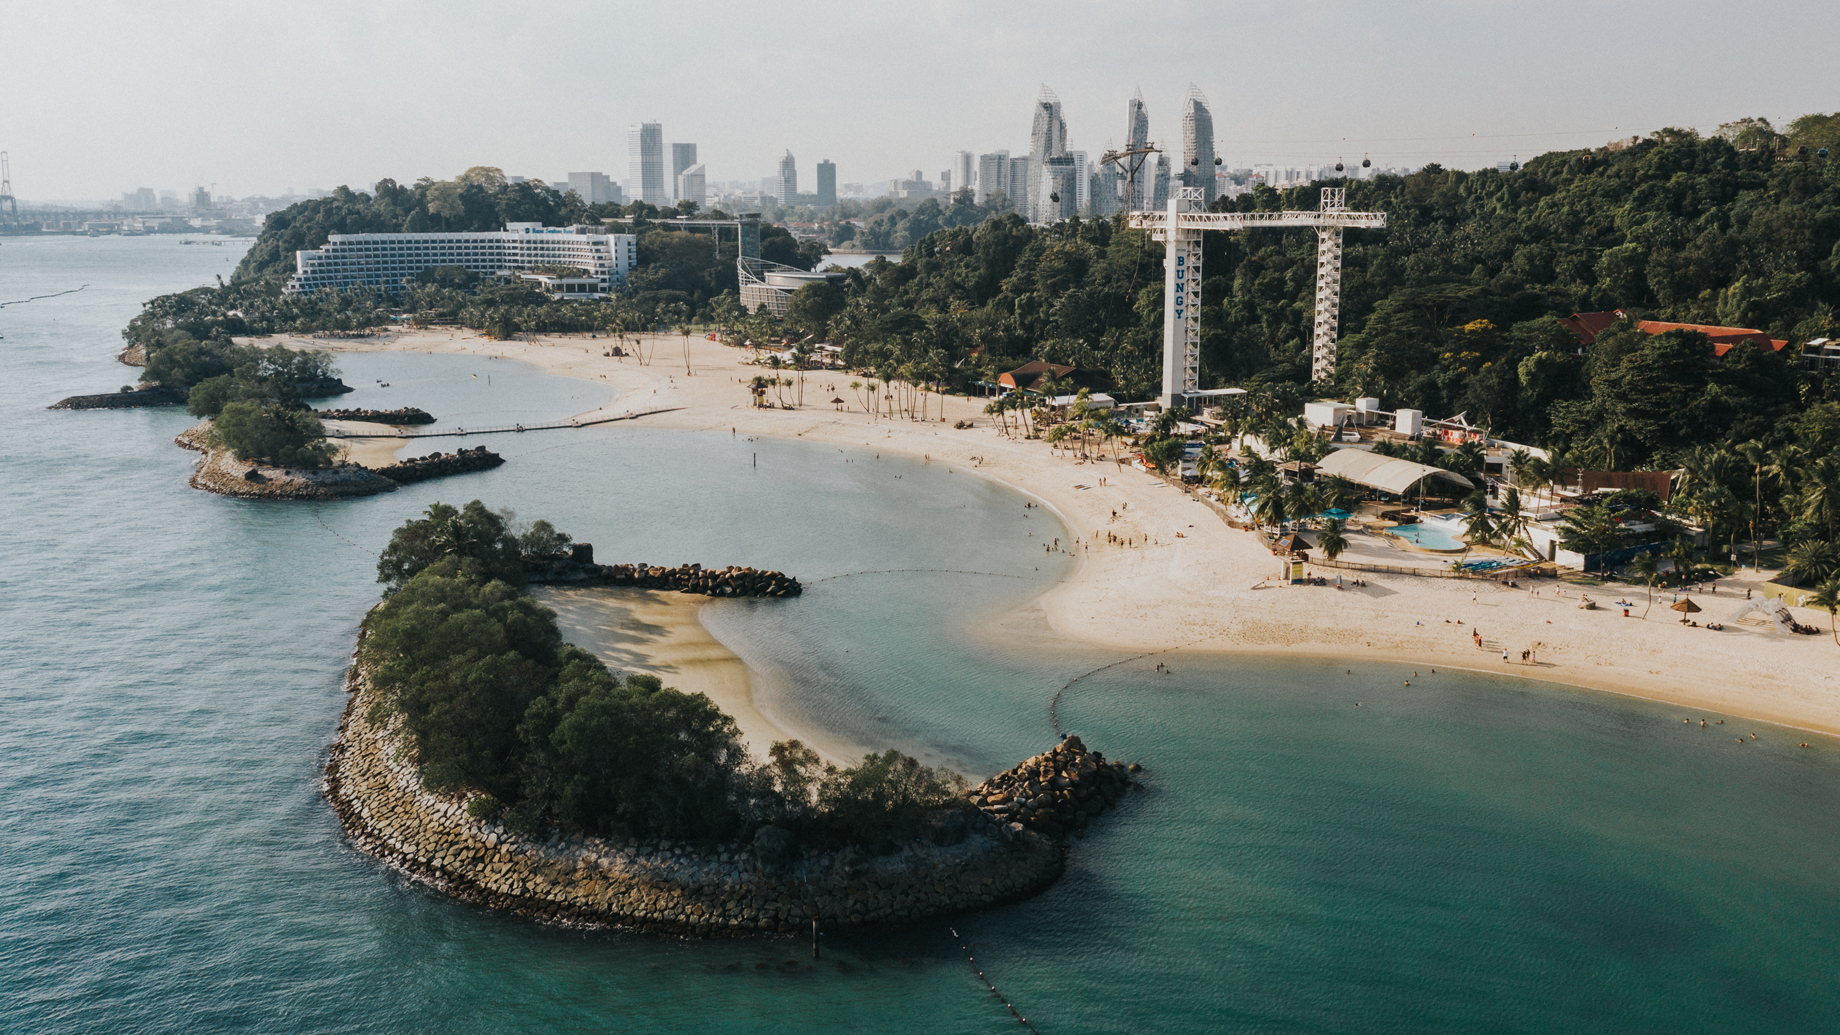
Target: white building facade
<point x="391" y="262"/>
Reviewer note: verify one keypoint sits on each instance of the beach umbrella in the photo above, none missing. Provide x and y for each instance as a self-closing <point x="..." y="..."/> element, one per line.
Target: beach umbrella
<point x="1685" y="607"/>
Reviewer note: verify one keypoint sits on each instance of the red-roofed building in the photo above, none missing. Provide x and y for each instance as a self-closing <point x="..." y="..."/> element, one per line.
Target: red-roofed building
<point x="1723" y="338"/>
<point x="1587" y="326"/>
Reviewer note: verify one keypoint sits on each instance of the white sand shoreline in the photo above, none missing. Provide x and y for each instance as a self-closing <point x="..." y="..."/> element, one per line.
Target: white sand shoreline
<point x="1195" y="592"/>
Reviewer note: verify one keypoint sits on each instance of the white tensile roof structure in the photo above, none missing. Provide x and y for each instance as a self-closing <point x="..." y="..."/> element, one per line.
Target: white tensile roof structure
<point x="1385" y="473"/>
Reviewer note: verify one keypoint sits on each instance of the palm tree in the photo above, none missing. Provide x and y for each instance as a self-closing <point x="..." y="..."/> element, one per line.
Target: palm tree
<point x="1827" y="597"/>
<point x="1270" y="508"/>
<point x="1511" y="521"/>
<point x="1819" y="499"/>
<point x="1813" y="562"/>
<point x="1330" y="540"/>
<point x="1337" y="493"/>
<point x="1648" y="569"/>
<point x="1476" y="520"/>
<point x="1305" y="501"/>
<point x="1682" y="554"/>
<point x="1754" y="455"/>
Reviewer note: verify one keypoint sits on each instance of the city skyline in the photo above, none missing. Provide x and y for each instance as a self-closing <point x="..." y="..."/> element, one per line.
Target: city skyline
<point x="1406" y="85"/>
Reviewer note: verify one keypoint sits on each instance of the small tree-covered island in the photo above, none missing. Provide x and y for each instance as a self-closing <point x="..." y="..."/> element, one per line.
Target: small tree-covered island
<point x="489" y="758"/>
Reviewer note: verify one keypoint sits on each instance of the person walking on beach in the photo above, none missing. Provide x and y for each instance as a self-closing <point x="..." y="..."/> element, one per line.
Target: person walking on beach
<point x="1504" y="655"/>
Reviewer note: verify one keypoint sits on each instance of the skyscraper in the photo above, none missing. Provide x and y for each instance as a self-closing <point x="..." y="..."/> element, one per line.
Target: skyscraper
<point x="690" y="185"/>
<point x="1197" y="143"/>
<point x="827" y="183"/>
<point x="1021" y="185"/>
<point x="964" y="170"/>
<point x="1047" y="139"/>
<point x="1136" y="137"/>
<point x="594" y="188"/>
<point x="788" y="180"/>
<point x="1081" y="170"/>
<point x="993" y="176"/>
<point x="645" y="150"/>
<point x="1059" y="182"/>
<point x="1159" y="184"/>
<point x="683" y="156"/>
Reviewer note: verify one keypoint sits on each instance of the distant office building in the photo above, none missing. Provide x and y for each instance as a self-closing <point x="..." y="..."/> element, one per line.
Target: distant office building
<point x="992" y="176"/>
<point x="645" y="150"/>
<point x="1159" y="184"/>
<point x="788" y="187"/>
<point x="1137" y="137"/>
<point x="1197" y="143"/>
<point x="1047" y="139"/>
<point x="142" y="200"/>
<point x="559" y="186"/>
<point x="390" y="262"/>
<point x="964" y="170"/>
<point x="200" y="202"/>
<point x="683" y="156"/>
<point x="1060" y="189"/>
<point x="1106" y="189"/>
<point x="691" y="185"/>
<point x="595" y="188"/>
<point x="1021" y="184"/>
<point x="827" y="183"/>
<point x="1080" y="172"/>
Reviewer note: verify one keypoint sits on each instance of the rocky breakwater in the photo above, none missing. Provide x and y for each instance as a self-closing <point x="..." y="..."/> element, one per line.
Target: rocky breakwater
<point x="221" y="472"/>
<point x="579" y="567"/>
<point x="764" y="884"/>
<point x="440" y="465"/>
<point x="127" y="398"/>
<point x="1056" y="793"/>
<point x="406" y="415"/>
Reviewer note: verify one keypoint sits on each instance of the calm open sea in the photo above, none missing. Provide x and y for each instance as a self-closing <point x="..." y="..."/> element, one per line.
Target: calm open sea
<point x="1467" y="854"/>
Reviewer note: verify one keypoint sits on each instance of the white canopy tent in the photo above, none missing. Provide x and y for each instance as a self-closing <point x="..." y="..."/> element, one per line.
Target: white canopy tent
<point x="1385" y="473"/>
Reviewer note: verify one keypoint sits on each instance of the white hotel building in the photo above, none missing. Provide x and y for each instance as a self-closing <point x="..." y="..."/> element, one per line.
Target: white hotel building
<point x="391" y="261"/>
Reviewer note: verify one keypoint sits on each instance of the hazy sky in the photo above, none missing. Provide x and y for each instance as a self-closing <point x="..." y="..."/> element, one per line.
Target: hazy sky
<point x="104" y="97"/>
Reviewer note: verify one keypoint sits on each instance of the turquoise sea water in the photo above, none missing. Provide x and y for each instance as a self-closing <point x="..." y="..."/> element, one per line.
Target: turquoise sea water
<point x="1465" y="854"/>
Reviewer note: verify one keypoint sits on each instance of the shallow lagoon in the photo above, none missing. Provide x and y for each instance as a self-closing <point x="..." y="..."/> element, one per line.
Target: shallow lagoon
<point x="1467" y="853"/>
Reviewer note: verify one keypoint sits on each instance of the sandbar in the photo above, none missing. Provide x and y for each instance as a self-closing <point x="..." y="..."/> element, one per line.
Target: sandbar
<point x="659" y="632"/>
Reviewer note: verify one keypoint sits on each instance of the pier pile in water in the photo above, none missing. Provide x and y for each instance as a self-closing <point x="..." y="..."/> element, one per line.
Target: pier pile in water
<point x="406" y="415"/>
<point x="438" y="465"/>
<point x="1056" y="792"/>
<point x="731" y="581"/>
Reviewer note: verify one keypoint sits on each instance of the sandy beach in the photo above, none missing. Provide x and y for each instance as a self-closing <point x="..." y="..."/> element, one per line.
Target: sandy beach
<point x="1194" y="584"/>
<point x="658" y="632"/>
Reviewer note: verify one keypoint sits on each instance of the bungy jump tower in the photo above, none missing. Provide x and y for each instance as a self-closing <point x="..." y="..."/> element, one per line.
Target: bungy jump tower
<point x="1180" y="226"/>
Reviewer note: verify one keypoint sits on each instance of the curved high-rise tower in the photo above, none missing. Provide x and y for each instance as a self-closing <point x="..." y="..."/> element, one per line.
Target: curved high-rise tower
<point x="1048" y="139"/>
<point x="1197" y="143"/>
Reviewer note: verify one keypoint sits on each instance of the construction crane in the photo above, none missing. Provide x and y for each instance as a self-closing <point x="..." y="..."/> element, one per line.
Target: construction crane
<point x="6" y="189"/>
<point x="1180" y="228"/>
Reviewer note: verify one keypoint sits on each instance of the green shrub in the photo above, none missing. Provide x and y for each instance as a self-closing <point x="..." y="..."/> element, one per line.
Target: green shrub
<point x="273" y="432"/>
<point x="473" y="533"/>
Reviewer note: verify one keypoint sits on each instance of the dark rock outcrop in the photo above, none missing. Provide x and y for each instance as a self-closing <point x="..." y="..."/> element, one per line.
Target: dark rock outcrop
<point x="440" y="465"/>
<point x="145" y="395"/>
<point x="690" y="578"/>
<point x="322" y="388"/>
<point x="1055" y="793"/>
<point x="406" y="415"/>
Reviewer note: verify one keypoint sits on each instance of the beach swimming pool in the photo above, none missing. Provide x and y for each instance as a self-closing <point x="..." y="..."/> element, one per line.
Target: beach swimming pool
<point x="1427" y="537"/>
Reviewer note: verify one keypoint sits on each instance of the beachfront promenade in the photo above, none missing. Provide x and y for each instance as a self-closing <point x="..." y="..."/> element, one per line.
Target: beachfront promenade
<point x="1195" y="590"/>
